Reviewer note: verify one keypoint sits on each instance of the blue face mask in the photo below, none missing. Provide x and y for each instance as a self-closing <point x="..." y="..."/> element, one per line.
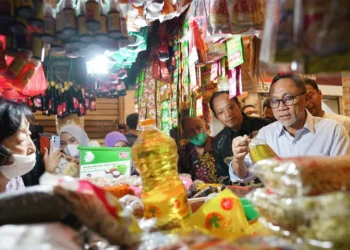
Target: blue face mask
<point x="199" y="139"/>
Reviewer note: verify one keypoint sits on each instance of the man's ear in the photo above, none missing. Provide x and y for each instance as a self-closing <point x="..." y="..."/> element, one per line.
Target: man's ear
<point x="320" y="93"/>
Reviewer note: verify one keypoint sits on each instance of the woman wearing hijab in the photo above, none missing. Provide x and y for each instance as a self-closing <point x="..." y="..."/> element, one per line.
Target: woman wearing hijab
<point x="17" y="150"/>
<point x="71" y="137"/>
<point x="117" y="139"/>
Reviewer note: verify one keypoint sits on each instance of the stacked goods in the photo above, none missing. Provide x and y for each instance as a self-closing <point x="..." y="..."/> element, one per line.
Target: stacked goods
<point x="306" y="198"/>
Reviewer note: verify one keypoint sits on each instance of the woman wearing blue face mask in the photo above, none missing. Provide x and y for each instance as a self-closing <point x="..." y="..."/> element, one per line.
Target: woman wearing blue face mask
<point x="17" y="150"/>
<point x="197" y="156"/>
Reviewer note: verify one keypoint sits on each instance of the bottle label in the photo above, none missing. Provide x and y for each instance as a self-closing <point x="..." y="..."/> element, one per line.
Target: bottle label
<point x="75" y="103"/>
<point x="69" y="18"/>
<point x="92" y="10"/>
<point x="87" y="103"/>
<point x="114" y="21"/>
<point x="82" y="109"/>
<point x="170" y="201"/>
<point x="64" y="107"/>
<point x="50" y="104"/>
<point x="59" y="110"/>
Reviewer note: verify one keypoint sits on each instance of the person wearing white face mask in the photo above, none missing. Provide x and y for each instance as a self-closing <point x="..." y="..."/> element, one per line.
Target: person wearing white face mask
<point x="17" y="150"/>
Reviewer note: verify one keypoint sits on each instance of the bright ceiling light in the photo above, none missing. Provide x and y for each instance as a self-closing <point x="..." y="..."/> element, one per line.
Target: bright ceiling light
<point x="97" y="66"/>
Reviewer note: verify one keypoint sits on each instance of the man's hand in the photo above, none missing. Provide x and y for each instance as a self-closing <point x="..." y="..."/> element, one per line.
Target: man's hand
<point x="240" y="147"/>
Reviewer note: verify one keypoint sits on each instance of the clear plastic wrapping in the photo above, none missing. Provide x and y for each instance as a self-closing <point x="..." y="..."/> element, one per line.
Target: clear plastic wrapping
<point x="302" y="176"/>
<point x="321" y="220"/>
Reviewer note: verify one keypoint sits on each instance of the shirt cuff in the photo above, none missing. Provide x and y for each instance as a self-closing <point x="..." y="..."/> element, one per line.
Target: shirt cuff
<point x="234" y="178"/>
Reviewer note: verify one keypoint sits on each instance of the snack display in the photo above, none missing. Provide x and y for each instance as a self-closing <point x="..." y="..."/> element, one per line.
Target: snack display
<point x="323" y="218"/>
<point x="301" y="176"/>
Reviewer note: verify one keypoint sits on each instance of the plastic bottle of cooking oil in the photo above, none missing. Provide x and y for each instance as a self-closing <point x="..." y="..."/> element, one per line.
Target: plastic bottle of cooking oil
<point x="155" y="157"/>
<point x="259" y="150"/>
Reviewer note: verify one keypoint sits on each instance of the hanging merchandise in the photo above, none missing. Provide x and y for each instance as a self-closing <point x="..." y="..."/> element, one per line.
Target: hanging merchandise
<point x="83" y="33"/>
<point x="114" y="21"/>
<point x="101" y="33"/>
<point x="92" y="14"/>
<point x="219" y="21"/>
<point x="235" y="82"/>
<point x="59" y="22"/>
<point x="49" y="25"/>
<point x="17" y="65"/>
<point x="19" y="25"/>
<point x="37" y="20"/>
<point x="199" y="106"/>
<point x="235" y="51"/>
<point x="7" y="11"/>
<point x="250" y="67"/>
<point x="25" y="74"/>
<point x="69" y="21"/>
<point x="24" y="8"/>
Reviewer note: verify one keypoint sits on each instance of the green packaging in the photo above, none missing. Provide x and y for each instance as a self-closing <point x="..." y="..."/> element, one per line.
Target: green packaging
<point x="99" y="161"/>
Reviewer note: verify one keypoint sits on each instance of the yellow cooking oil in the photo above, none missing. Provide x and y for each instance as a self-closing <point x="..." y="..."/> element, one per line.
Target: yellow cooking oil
<point x="155" y="157"/>
<point x="259" y="150"/>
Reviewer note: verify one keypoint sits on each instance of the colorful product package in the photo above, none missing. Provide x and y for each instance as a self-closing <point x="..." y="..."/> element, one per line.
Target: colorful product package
<point x="223" y="217"/>
<point x="97" y="162"/>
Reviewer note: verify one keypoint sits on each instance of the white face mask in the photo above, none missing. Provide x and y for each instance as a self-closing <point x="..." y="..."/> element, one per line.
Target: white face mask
<point x="72" y="150"/>
<point x="21" y="165"/>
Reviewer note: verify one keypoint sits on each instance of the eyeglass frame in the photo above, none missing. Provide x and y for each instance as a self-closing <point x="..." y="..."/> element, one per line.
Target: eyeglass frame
<point x="284" y="102"/>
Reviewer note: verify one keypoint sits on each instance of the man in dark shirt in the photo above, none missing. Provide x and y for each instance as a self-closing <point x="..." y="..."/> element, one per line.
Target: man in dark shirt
<point x="227" y="111"/>
<point x="131" y="122"/>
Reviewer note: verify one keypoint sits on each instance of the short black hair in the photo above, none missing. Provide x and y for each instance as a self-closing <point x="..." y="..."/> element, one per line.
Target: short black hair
<point x="216" y="95"/>
<point x="132" y="120"/>
<point x="297" y="79"/>
<point x="247" y="106"/>
<point x="311" y="82"/>
<point x="266" y="104"/>
<point x="11" y="115"/>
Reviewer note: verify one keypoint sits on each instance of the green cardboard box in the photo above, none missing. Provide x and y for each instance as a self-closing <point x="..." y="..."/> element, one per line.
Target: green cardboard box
<point x="98" y="161"/>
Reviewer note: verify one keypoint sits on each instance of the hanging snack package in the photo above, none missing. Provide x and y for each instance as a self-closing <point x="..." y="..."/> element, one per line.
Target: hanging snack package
<point x="235" y="82"/>
<point x="250" y="70"/>
<point x="219" y="21"/>
<point x="99" y="210"/>
<point x="323" y="220"/>
<point x="300" y="176"/>
<point x="235" y="52"/>
<point x="246" y="15"/>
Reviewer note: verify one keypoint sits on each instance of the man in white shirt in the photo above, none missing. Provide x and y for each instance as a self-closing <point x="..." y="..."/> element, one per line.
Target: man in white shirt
<point x="295" y="133"/>
<point x="315" y="104"/>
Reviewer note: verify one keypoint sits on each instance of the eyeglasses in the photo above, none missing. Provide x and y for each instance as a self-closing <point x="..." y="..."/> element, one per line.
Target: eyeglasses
<point x="287" y="100"/>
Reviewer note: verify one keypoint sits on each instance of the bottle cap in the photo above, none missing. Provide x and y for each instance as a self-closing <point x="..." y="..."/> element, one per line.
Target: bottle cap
<point x="148" y="122"/>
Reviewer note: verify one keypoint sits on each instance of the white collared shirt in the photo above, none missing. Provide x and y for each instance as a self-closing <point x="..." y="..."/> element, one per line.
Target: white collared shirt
<point x="318" y="137"/>
<point x="345" y="120"/>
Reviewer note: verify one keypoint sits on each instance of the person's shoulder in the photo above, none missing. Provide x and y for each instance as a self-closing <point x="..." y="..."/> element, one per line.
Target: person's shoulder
<point x="271" y="127"/>
<point x="258" y="121"/>
<point x="219" y="135"/>
<point x="130" y="135"/>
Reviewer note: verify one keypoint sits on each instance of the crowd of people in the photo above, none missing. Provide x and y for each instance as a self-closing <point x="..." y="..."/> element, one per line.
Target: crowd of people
<point x="293" y="124"/>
